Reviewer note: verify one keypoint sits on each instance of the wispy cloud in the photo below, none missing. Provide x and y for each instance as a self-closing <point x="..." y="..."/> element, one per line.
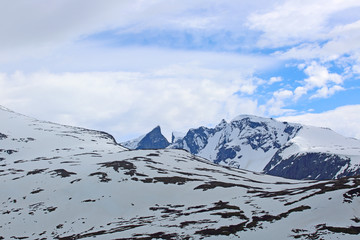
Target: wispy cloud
<point x="297" y="22"/>
<point x="273" y="80"/>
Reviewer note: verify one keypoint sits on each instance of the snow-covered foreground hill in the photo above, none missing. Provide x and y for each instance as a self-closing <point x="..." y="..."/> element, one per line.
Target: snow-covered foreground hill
<point x="61" y="182"/>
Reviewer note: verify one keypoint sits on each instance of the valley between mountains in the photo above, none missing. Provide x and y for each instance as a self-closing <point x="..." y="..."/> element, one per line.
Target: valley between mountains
<point x="63" y="182"/>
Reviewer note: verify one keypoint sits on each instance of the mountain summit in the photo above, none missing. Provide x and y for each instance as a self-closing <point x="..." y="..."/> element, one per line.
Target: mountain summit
<point x="152" y="140"/>
<point x="247" y="142"/>
<point x="278" y="148"/>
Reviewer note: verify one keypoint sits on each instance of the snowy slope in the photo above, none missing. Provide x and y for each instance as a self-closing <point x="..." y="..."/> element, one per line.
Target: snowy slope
<point x="132" y="144"/>
<point x="317" y="153"/>
<point x="61" y="182"/>
<point x="22" y="136"/>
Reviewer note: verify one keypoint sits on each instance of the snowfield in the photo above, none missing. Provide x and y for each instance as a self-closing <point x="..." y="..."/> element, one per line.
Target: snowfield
<point x="63" y="182"/>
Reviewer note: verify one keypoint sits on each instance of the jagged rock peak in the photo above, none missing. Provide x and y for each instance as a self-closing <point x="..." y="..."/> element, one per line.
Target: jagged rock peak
<point x="222" y="124"/>
<point x="153" y="140"/>
<point x="157" y="129"/>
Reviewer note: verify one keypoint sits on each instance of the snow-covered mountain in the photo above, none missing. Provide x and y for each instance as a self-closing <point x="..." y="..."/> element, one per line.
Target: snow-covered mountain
<point x="62" y="182"/>
<point x="316" y="153"/>
<point x="19" y="133"/>
<point x="152" y="140"/>
<point x="278" y="148"/>
<point x="246" y="142"/>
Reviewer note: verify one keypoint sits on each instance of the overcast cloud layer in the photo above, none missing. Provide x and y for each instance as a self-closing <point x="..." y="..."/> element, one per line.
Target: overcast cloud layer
<point x="127" y="66"/>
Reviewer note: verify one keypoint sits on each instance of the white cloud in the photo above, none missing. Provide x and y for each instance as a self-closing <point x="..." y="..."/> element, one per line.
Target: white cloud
<point x="327" y="32"/>
<point x="36" y="28"/>
<point x="298" y="21"/>
<point x="127" y="104"/>
<point x="319" y="76"/>
<point x="320" y="84"/>
<point x="249" y="86"/>
<point x="320" y="80"/>
<point x="32" y="29"/>
<point x="339" y="40"/>
<point x="319" y="34"/>
<point x="299" y="91"/>
<point x="273" y="80"/>
<point x="277" y="25"/>
<point x="344" y="120"/>
<point x="326" y="92"/>
<point x="283" y="94"/>
<point x="275" y="106"/>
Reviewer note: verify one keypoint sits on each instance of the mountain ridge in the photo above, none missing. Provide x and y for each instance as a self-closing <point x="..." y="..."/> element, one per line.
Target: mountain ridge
<point x="274" y="147"/>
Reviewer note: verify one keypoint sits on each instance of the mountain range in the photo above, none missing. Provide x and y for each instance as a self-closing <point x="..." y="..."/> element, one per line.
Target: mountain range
<point x="64" y="182"/>
<point x="266" y="145"/>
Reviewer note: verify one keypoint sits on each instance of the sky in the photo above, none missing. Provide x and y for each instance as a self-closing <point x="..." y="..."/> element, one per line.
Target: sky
<point x="126" y="66"/>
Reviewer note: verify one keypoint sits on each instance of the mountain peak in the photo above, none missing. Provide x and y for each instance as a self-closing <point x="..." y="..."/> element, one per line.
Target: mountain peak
<point x="221" y="124"/>
<point x="252" y="117"/>
<point x="278" y="148"/>
<point x="156" y="129"/>
<point x="152" y="140"/>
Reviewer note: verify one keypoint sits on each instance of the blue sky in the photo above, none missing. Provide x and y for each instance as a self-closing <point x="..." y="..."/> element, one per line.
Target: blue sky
<point x="128" y="66"/>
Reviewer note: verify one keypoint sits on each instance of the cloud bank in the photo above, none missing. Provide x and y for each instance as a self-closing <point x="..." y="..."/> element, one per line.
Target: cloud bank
<point x="129" y="103"/>
<point x="344" y="120"/>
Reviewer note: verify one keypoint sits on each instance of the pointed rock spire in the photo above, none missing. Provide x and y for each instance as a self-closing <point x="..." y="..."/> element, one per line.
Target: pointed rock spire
<point x="153" y="140"/>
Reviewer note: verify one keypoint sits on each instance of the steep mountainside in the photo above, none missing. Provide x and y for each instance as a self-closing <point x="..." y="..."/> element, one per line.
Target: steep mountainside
<point x="153" y="140"/>
<point x="61" y="182"/>
<point x="246" y="142"/>
<point x="277" y="148"/>
<point x="316" y="153"/>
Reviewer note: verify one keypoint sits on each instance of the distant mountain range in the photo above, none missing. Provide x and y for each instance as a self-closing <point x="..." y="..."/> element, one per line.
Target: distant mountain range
<point x="63" y="182"/>
<point x="266" y="145"/>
